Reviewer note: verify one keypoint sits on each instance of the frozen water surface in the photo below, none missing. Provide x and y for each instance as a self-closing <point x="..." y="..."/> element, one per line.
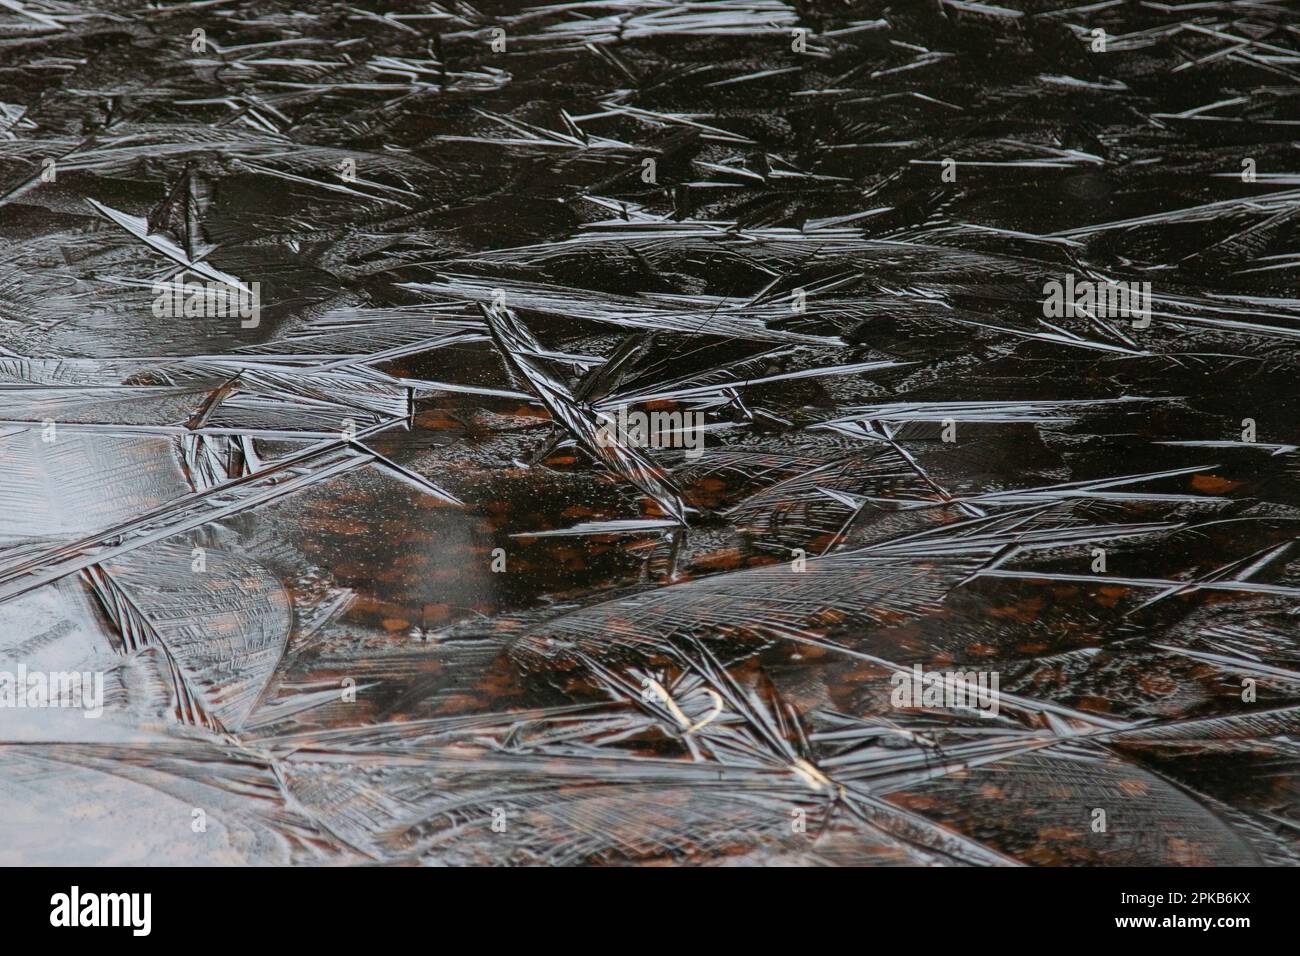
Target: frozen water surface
<point x="641" y="432"/>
